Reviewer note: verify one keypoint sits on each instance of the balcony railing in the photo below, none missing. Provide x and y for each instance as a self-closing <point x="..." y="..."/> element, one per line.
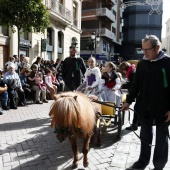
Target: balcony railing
<point x="58" y="9"/>
<point x="103" y="32"/>
<point x="105" y="12"/>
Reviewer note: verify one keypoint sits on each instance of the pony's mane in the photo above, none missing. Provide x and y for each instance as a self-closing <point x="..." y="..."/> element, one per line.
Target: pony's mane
<point x="73" y="110"/>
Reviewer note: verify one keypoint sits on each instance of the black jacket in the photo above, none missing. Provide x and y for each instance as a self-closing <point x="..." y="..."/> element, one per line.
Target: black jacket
<point x="151" y="87"/>
<point x="73" y="67"/>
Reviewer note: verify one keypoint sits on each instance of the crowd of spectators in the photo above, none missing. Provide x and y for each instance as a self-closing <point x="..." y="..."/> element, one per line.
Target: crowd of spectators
<point x="21" y="82"/>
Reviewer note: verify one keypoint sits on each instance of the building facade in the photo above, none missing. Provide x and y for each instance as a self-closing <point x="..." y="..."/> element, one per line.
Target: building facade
<point x="64" y="31"/>
<point x="139" y="20"/>
<point x="167" y="38"/>
<point x="101" y="29"/>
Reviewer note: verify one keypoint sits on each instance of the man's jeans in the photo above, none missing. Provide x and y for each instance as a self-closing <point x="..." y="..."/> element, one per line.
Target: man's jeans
<point x="4" y="98"/>
<point x="160" y="156"/>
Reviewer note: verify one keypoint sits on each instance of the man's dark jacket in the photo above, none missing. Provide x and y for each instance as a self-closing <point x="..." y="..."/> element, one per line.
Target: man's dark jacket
<point x="73" y="66"/>
<point x="151" y="87"/>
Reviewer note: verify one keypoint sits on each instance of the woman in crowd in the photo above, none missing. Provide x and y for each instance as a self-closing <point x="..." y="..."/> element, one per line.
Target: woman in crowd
<point x="39" y="81"/>
<point x="110" y="90"/>
<point x="36" y="88"/>
<point x="37" y="62"/>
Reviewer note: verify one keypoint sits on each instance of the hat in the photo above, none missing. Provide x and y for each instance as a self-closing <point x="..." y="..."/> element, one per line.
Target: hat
<point x="11" y="65"/>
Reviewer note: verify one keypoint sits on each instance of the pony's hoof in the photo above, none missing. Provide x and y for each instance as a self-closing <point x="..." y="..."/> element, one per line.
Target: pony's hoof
<point x="74" y="166"/>
<point x="85" y="164"/>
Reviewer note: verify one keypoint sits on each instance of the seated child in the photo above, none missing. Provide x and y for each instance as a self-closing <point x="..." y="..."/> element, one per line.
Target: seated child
<point x="92" y="78"/>
<point x="110" y="91"/>
<point x="39" y="81"/>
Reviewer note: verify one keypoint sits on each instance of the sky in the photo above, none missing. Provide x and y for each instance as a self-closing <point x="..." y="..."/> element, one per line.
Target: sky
<point x="166" y="15"/>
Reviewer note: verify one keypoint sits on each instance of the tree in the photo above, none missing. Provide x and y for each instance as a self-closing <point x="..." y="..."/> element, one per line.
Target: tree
<point x="25" y="15"/>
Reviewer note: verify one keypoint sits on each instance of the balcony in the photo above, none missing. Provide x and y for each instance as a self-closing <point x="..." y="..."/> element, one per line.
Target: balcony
<point x="107" y="33"/>
<point x="104" y="32"/>
<point x="58" y="12"/>
<point x="105" y="13"/>
<point x="100" y="12"/>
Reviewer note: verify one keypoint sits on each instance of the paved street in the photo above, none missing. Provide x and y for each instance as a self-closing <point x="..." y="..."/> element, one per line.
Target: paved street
<point x="28" y="143"/>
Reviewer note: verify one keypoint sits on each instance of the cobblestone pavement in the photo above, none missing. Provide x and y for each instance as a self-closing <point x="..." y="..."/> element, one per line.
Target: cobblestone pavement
<point x="28" y="143"/>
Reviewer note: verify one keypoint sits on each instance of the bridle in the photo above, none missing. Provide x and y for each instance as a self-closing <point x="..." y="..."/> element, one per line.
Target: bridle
<point x="67" y="131"/>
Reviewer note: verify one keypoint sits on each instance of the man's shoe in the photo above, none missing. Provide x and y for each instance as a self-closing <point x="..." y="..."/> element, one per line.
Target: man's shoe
<point x="21" y="104"/>
<point x="38" y="102"/>
<point x="1" y="113"/>
<point x="132" y="127"/>
<point x="45" y="101"/>
<point x="139" y="165"/>
<point x="5" y="107"/>
<point x="13" y="107"/>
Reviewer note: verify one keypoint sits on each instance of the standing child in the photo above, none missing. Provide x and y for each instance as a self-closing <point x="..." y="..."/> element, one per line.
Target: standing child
<point x="111" y="89"/>
<point x="50" y="86"/>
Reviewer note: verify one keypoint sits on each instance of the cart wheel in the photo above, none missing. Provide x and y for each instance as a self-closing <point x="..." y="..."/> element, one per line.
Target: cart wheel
<point x="120" y="123"/>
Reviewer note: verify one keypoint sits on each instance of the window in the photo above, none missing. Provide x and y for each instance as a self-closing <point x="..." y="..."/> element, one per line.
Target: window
<point x="49" y="36"/>
<point x="75" y="14"/>
<point x="60" y="39"/>
<point x="24" y="35"/>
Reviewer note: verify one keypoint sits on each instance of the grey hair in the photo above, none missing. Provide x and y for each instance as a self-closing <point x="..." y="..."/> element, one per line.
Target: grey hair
<point x="153" y="39"/>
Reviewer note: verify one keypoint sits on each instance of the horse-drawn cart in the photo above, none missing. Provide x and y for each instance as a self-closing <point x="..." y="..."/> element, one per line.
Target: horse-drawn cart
<point x="111" y="114"/>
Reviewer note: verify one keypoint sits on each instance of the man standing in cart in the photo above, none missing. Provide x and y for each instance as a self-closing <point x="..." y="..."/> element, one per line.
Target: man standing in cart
<point x="151" y="88"/>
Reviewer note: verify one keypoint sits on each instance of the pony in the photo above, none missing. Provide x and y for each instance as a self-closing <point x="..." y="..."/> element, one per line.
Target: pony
<point x="74" y="116"/>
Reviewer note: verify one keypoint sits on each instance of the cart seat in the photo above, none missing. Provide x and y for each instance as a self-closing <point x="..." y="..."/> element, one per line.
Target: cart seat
<point x="108" y="110"/>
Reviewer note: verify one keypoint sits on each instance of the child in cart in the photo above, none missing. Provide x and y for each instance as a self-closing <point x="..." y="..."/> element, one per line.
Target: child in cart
<point x="110" y="88"/>
<point x="92" y="78"/>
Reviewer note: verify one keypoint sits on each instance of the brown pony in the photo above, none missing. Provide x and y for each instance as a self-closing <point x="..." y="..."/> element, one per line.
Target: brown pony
<point x="73" y="115"/>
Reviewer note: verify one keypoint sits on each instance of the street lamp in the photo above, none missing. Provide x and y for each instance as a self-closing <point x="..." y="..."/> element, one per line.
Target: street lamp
<point x="108" y="50"/>
<point x="95" y="38"/>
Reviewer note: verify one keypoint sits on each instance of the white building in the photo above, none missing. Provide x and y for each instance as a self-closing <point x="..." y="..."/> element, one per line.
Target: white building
<point x="167" y="39"/>
<point x="64" y="31"/>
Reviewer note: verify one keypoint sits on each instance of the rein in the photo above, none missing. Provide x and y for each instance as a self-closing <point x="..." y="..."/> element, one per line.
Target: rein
<point x="142" y="140"/>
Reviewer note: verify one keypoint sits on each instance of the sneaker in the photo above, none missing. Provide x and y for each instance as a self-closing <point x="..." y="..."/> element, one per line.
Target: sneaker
<point x="45" y="101"/>
<point x="139" y="165"/>
<point x="39" y="102"/>
<point x="5" y="107"/>
<point x="132" y="127"/>
<point x="1" y="113"/>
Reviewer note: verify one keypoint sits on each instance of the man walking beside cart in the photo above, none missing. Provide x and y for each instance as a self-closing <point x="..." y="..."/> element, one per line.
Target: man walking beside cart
<point x="151" y="88"/>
